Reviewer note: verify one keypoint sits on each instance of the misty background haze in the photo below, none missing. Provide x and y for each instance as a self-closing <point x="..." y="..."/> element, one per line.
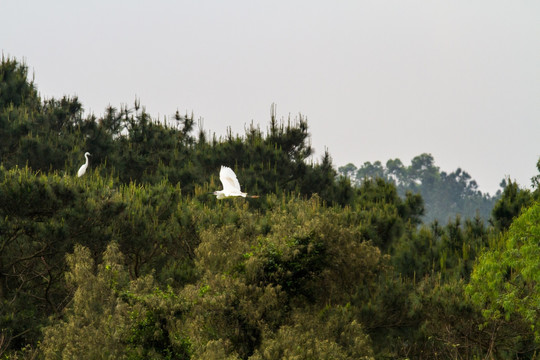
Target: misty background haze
<point x="376" y="80"/>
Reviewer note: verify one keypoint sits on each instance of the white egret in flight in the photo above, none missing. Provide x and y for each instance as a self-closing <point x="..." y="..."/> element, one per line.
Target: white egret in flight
<point x="231" y="186"/>
<point x="82" y="169"/>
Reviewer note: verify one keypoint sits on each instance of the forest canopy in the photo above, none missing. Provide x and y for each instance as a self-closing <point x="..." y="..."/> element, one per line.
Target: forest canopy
<point x="445" y="195"/>
<point x="137" y="260"/>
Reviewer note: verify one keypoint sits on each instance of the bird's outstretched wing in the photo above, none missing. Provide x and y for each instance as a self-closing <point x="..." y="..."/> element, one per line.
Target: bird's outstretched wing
<point x="228" y="179"/>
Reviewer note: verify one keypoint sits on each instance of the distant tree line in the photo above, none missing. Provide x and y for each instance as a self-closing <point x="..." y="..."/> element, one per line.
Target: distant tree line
<point x="446" y="195"/>
<point x="136" y="260"/>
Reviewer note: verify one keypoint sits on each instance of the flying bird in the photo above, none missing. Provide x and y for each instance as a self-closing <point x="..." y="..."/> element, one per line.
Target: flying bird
<point x="82" y="169"/>
<point x="231" y="186"/>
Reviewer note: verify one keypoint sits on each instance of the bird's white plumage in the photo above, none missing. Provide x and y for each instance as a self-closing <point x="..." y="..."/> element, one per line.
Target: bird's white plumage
<point x="229" y="180"/>
<point x="82" y="169"/>
<point x="231" y="186"/>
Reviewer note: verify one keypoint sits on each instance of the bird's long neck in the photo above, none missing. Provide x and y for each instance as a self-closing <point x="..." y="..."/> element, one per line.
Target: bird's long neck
<point x="86" y="156"/>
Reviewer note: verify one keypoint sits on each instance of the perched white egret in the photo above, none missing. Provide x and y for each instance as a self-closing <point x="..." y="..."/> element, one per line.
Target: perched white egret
<point x="231" y="186"/>
<point x="82" y="169"/>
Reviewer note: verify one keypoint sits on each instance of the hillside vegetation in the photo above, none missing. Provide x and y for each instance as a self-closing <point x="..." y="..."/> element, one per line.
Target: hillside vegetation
<point x="136" y="260"/>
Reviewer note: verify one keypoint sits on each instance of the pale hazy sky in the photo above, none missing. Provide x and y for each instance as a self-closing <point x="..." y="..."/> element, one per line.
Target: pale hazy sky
<point x="376" y="79"/>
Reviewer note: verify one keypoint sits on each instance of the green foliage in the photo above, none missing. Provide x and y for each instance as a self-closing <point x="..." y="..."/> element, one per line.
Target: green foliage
<point x="504" y="280"/>
<point x="386" y="214"/>
<point x="449" y="250"/>
<point x="263" y="266"/>
<point x="330" y="334"/>
<point x="136" y="260"/>
<point x="452" y="327"/>
<point x="37" y="230"/>
<point x="15" y="89"/>
<point x="44" y="217"/>
<point x="509" y="206"/>
<point x="113" y="317"/>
